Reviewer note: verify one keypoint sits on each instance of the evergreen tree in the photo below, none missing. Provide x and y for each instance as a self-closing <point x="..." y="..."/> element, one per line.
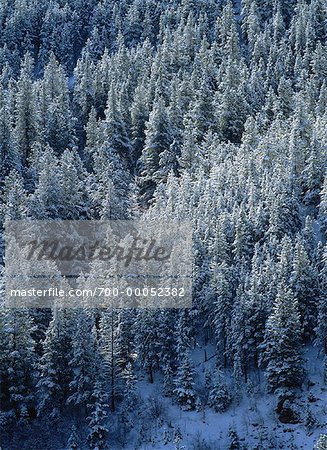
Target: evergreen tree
<point x="210" y="111"/>
<point x="18" y="361"/>
<point x="184" y="384"/>
<point x="24" y="129"/>
<point x="282" y="345"/>
<point x="139" y="118"/>
<point x="97" y="419"/>
<point x="14" y="198"/>
<point x="72" y="177"/>
<point x="219" y="396"/>
<point x="54" y="372"/>
<point x="130" y="400"/>
<point x="112" y="368"/>
<point x="147" y="342"/>
<point x="114" y="128"/>
<point x="83" y="359"/>
<point x="189" y="157"/>
<point x="231" y="103"/>
<point x="223" y="309"/>
<point x="157" y="140"/>
<point x="321" y="330"/>
<point x="45" y="202"/>
<point x="109" y="187"/>
<point x="304" y="285"/>
<point x="55" y="123"/>
<point x="323" y="207"/>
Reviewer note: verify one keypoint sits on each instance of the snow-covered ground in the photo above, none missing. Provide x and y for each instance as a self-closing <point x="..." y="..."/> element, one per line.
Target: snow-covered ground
<point x="253" y="418"/>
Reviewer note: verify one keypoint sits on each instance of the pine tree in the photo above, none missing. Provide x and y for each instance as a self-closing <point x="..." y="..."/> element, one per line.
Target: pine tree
<point x="158" y="139"/>
<point x="110" y="186"/>
<point x="113" y="365"/>
<point x="284" y="215"/>
<point x="243" y="242"/>
<point x="223" y="309"/>
<point x="114" y="128"/>
<point x="219" y="396"/>
<point x="72" y="177"/>
<point x="168" y="380"/>
<point x="54" y="372"/>
<point x="168" y="162"/>
<point x="282" y="345"/>
<point x="130" y="400"/>
<point x="189" y="157"/>
<point x="133" y="24"/>
<point x="178" y="439"/>
<point x="92" y="136"/>
<point x="97" y="419"/>
<point x="139" y="117"/>
<point x="304" y="285"/>
<point x="312" y="174"/>
<point x="55" y="123"/>
<point x="231" y="103"/>
<point x="184" y="384"/>
<point x="250" y="22"/>
<point x="84" y="89"/>
<point x="11" y="156"/>
<point x="45" y="202"/>
<point x="226" y="33"/>
<point x="310" y="421"/>
<point x="147" y="342"/>
<point x="18" y="361"/>
<point x="14" y="198"/>
<point x="24" y="130"/>
<point x="321" y="329"/>
<point x="83" y="359"/>
<point x="323" y="207"/>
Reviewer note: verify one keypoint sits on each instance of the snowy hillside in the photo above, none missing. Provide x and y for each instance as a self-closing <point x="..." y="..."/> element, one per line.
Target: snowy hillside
<point x="207" y="111"/>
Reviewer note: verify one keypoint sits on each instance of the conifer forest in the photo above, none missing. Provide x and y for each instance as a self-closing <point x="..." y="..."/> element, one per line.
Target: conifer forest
<point x="210" y="110"/>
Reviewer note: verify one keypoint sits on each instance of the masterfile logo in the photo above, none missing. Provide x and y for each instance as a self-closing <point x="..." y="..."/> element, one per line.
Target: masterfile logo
<point x="98" y="263"/>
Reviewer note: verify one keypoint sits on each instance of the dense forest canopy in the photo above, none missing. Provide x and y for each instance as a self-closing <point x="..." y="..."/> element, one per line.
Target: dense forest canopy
<point x="211" y="110"/>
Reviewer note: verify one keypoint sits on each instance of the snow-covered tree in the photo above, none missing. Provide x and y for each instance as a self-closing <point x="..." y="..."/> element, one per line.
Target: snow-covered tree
<point x="54" y="371"/>
<point x="282" y="344"/>
<point x="219" y="396"/>
<point x="157" y="140"/>
<point x="98" y="419"/>
<point x="184" y="392"/>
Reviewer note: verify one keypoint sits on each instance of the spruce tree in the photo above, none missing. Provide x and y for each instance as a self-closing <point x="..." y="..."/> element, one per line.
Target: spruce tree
<point x="157" y="140"/>
<point x="98" y="419"/>
<point x="219" y="396"/>
<point x="54" y="371"/>
<point x="184" y="384"/>
<point x="282" y="345"/>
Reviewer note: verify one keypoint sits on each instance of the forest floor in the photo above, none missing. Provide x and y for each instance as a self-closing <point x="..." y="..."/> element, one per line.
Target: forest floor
<point x="253" y="416"/>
